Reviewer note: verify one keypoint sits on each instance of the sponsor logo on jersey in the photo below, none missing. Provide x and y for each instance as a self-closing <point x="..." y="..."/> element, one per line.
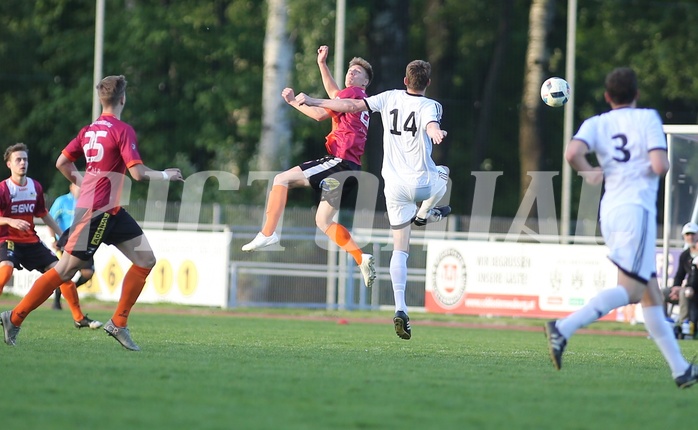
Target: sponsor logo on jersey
<point x="22" y="208"/>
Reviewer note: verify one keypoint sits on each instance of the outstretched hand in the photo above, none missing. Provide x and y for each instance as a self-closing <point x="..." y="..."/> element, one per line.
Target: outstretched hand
<point x="435" y="133"/>
<point x="174" y="174"/>
<point x="439" y="136"/>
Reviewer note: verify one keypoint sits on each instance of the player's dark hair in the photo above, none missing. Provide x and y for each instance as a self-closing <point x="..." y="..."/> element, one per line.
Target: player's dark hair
<point x="358" y="61"/>
<point x="621" y="85"/>
<point x="418" y="74"/>
<point x="111" y="89"/>
<point x="15" y="148"/>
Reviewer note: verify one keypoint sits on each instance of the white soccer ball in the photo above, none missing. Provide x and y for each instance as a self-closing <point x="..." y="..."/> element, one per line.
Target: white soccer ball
<point x="555" y="92"/>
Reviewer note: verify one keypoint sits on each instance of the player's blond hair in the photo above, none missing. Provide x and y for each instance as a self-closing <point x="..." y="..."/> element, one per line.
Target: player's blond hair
<point x="358" y="61"/>
<point x="111" y="89"/>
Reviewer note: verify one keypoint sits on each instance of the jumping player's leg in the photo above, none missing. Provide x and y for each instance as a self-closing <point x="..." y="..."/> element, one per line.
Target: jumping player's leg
<point x="398" y="265"/>
<point x="400" y="203"/>
<point x="324" y="219"/>
<point x="276" y="202"/>
<point x="337" y="233"/>
<point x="438" y="191"/>
<point x="279" y="195"/>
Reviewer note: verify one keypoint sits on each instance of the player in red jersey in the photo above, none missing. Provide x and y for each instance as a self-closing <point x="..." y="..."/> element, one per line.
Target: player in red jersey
<point x="110" y="148"/>
<point x="21" y="200"/>
<point x="345" y="145"/>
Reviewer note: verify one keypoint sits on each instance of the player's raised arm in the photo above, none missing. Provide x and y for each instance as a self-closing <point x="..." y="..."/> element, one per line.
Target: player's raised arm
<point x="316" y="113"/>
<point x="328" y="81"/>
<point x="337" y="105"/>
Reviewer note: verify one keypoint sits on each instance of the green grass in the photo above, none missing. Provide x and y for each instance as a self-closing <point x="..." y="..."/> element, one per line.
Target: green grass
<point x="216" y="370"/>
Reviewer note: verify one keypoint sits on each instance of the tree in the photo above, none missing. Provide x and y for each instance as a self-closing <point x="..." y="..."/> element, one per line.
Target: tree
<point x="537" y="57"/>
<point x="274" y="144"/>
<point x="388" y="27"/>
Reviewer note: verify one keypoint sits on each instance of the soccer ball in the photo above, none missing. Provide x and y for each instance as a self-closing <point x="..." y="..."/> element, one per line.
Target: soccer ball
<point x="555" y="92"/>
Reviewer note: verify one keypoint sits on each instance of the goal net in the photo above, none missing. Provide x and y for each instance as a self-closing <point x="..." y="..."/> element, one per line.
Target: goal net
<point x="680" y="194"/>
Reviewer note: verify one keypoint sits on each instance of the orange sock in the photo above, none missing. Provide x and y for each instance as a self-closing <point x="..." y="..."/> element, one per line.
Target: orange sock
<point x="341" y="236"/>
<point x="130" y="290"/>
<point x="70" y="293"/>
<point x="5" y="275"/>
<point x="275" y="207"/>
<point x="39" y="292"/>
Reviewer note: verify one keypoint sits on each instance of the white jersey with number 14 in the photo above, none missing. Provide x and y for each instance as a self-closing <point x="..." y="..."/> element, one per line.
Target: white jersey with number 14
<point x="406" y="145"/>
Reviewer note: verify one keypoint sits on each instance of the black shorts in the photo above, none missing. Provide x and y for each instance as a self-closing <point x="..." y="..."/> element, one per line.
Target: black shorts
<point x="90" y="230"/>
<point x="90" y="263"/>
<point x="31" y="256"/>
<point x="332" y="176"/>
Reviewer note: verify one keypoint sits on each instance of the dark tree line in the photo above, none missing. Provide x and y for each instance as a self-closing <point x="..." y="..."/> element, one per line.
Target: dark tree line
<point x="195" y="77"/>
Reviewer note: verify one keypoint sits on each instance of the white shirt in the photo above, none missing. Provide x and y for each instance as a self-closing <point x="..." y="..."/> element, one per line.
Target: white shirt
<point x="622" y="139"/>
<point x="406" y="145"/>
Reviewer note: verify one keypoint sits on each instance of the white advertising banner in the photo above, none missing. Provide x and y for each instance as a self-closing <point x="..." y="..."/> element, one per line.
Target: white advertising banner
<point x="191" y="269"/>
<point x="499" y="278"/>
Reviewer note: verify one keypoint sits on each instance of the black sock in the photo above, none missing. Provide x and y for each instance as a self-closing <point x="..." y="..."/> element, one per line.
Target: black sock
<point x="81" y="281"/>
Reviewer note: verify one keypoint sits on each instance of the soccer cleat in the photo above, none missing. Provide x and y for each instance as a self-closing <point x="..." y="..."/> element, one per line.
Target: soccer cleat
<point x="689" y="378"/>
<point x="88" y="322"/>
<point x="402" y="325"/>
<point x="556" y="343"/>
<point x="434" y="215"/>
<point x="122" y="335"/>
<point x="368" y="269"/>
<point x="261" y="241"/>
<point x="10" y="330"/>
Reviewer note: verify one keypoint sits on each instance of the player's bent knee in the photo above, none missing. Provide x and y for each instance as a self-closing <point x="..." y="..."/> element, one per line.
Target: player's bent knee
<point x="145" y="260"/>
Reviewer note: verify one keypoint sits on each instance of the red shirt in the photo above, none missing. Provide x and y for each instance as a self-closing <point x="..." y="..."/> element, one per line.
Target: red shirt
<point x="110" y="147"/>
<point x="347" y="139"/>
<point x="21" y="202"/>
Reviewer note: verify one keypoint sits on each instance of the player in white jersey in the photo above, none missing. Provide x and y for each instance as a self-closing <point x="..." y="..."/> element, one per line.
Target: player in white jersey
<point x="630" y="146"/>
<point x="411" y="123"/>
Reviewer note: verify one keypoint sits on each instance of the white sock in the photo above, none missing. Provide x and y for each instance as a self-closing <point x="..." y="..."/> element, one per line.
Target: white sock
<point x="663" y="335"/>
<point x="398" y="276"/>
<point x="600" y="305"/>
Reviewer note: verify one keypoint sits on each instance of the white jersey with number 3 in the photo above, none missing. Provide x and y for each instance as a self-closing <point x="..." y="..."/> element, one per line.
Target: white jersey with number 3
<point x="622" y="139"/>
<point x="406" y="145"/>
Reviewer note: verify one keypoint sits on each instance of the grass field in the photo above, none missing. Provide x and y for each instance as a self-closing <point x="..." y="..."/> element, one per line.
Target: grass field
<point x="217" y="370"/>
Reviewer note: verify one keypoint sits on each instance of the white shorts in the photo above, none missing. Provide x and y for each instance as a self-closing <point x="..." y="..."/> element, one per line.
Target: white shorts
<point x="630" y="233"/>
<point x="401" y="199"/>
